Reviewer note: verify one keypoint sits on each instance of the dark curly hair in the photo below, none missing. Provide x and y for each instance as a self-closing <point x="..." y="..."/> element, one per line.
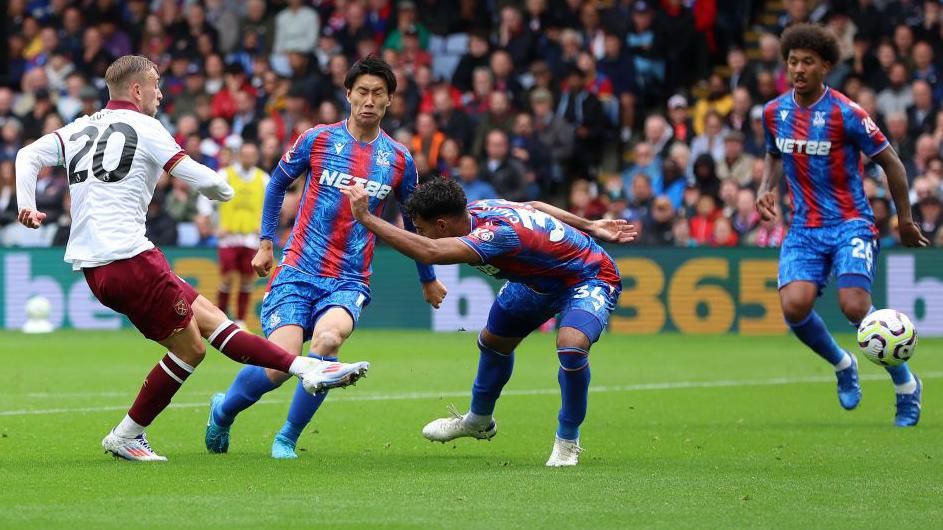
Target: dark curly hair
<point x="439" y="197"/>
<point x="810" y="37"/>
<point x="371" y="65"/>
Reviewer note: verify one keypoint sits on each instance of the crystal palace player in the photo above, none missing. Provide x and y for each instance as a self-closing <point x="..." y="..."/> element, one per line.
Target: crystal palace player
<point x="817" y="135"/>
<point x="321" y="285"/>
<point x="552" y="268"/>
<point x="114" y="158"/>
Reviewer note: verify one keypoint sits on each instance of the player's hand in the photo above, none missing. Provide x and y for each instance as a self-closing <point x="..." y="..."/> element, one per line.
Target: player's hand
<point x="263" y="261"/>
<point x="766" y="206"/>
<point x="31" y="218"/>
<point x="912" y="236"/>
<point x="359" y="200"/>
<point x="434" y="292"/>
<point x="613" y="230"/>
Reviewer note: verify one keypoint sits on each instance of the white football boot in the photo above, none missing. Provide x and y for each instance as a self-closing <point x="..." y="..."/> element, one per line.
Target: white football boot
<point x="325" y="375"/>
<point x="136" y="449"/>
<point x="447" y="429"/>
<point x="565" y="453"/>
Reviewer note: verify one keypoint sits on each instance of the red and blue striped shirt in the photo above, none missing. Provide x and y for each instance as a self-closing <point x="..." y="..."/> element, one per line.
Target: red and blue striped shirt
<point x="524" y="245"/>
<point x="821" y="147"/>
<point x="326" y="240"/>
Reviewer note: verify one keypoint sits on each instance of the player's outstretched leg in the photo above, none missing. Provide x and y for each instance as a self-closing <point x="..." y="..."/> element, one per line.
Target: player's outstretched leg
<point x="302" y="409"/>
<point x="128" y="440"/>
<point x="494" y="371"/>
<point x="797" y="301"/>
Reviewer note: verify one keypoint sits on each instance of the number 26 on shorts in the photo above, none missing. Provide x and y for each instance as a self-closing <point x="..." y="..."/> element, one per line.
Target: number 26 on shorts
<point x="863" y="250"/>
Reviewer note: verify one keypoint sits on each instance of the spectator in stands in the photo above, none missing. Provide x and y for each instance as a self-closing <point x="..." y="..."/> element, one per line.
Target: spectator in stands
<point x="498" y="116"/>
<point x="8" y="209"/>
<point x="451" y="121"/>
<point x="921" y="115"/>
<point x="658" y="134"/>
<point x="296" y="28"/>
<point x="581" y="109"/>
<point x="898" y="96"/>
<point x="739" y="117"/>
<point x="553" y="131"/>
<point x="717" y="100"/>
<point x="449" y="156"/>
<point x="682" y="126"/>
<point x="583" y="201"/>
<point x="745" y="219"/>
<point x="648" y="44"/>
<point x="702" y="223"/>
<point x="428" y="138"/>
<point x="705" y="175"/>
<point x="257" y="21"/>
<point x="736" y="163"/>
<point x="657" y="228"/>
<point x="640" y="199"/>
<point x="506" y="174"/>
<point x="527" y="147"/>
<point x="161" y="229"/>
<point x="928" y="214"/>
<point x="723" y="234"/>
<point x="476" y="57"/>
<point x="711" y="142"/>
<point x="407" y="20"/>
<point x="646" y="162"/>
<point x="470" y="178"/>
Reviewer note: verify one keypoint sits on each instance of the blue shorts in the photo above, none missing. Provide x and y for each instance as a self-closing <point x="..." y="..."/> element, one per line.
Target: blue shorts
<point x="297" y="298"/>
<point x="519" y="310"/>
<point x="847" y="251"/>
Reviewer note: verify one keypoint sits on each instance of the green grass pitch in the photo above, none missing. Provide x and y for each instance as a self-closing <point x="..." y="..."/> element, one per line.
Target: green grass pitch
<point x="682" y="432"/>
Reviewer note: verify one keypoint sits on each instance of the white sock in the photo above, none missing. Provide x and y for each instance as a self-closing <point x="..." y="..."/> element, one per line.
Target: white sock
<point x="844" y="363"/>
<point x="474" y="420"/>
<point x="907" y="388"/>
<point x="128" y="428"/>
<point x="302" y="364"/>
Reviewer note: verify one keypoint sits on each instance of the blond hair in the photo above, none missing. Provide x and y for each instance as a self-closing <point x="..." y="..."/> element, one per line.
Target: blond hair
<point x="124" y="69"/>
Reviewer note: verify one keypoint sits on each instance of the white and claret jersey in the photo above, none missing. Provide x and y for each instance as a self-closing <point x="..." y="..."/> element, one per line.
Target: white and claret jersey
<point x="113" y="159"/>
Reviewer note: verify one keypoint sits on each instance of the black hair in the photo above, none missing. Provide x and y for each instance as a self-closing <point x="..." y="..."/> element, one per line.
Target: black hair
<point x="371" y="65"/>
<point x="817" y="39"/>
<point x="439" y="197"/>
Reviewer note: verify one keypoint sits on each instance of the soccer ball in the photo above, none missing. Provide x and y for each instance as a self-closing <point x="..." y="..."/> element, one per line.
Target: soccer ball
<point x="887" y="337"/>
<point x="38" y="308"/>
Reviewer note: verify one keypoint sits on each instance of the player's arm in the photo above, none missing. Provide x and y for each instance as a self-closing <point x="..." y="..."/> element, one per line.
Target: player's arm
<point x="425" y="271"/>
<point x="910" y="233"/>
<point x="610" y="230"/>
<point x="30" y="160"/>
<point x="293" y="163"/>
<point x="772" y="172"/>
<point x="766" y="201"/>
<point x="427" y="251"/>
<point x="208" y="182"/>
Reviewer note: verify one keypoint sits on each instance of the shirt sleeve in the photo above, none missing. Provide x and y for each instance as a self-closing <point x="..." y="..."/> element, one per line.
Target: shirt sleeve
<point x="492" y="240"/>
<point x="403" y="191"/>
<point x="409" y="182"/>
<point x="47" y="151"/>
<point x="768" y="117"/>
<point x="863" y="132"/>
<point x="294" y="163"/>
<point x="160" y="147"/>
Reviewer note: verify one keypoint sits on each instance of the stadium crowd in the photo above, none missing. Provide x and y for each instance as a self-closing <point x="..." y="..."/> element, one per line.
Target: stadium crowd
<point x="649" y="110"/>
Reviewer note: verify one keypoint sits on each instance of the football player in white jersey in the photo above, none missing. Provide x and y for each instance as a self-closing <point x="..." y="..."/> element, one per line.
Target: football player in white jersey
<point x="113" y="159"/>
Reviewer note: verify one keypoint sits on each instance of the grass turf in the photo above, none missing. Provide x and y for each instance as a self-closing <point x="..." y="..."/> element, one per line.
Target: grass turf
<point x="682" y="432"/>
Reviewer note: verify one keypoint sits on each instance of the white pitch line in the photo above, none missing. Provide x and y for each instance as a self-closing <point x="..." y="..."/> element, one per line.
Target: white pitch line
<point x="401" y="396"/>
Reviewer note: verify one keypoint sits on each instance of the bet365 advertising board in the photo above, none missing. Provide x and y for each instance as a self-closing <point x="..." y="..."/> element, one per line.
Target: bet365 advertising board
<point x="697" y="291"/>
